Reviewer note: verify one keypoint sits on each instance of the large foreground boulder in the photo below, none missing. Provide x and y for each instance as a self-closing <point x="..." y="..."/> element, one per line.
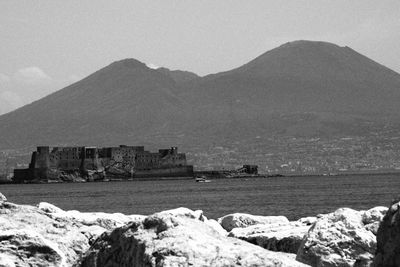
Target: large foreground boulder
<point x="388" y="238"/>
<point x="241" y="220"/>
<point x="342" y="238"/>
<point x="175" y="239"/>
<point x="48" y="236"/>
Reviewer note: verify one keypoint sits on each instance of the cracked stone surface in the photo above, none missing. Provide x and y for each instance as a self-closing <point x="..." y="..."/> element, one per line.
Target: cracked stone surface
<point x="45" y="235"/>
<point x="172" y="239"/>
<point x="341" y="238"/>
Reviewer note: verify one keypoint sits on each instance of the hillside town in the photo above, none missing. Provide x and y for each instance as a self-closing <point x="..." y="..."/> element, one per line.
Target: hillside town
<point x="303" y="156"/>
<point x="306" y="156"/>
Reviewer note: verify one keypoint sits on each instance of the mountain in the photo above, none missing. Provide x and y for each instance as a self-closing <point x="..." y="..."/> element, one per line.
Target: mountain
<point x="122" y="100"/>
<point x="179" y="76"/>
<point x="306" y="76"/>
<point x="301" y="88"/>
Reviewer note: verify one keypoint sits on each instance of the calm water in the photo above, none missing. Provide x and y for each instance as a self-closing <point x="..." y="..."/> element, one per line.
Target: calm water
<point x="293" y="197"/>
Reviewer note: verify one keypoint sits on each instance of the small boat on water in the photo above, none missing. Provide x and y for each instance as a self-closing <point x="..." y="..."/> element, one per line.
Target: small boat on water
<point x="202" y="180"/>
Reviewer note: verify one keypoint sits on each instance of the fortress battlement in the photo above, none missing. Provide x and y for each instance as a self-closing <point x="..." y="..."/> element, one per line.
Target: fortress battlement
<point x="123" y="161"/>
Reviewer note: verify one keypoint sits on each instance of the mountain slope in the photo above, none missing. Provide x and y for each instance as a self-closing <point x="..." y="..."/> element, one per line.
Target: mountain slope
<point x="123" y="99"/>
<point x="179" y="76"/>
<point x="306" y="76"/>
<point x="332" y="89"/>
<point x="300" y="88"/>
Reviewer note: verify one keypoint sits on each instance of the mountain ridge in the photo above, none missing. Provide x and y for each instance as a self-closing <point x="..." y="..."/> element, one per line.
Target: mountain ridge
<point x="128" y="102"/>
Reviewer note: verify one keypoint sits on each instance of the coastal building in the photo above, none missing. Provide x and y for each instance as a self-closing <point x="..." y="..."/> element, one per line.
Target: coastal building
<point x="93" y="163"/>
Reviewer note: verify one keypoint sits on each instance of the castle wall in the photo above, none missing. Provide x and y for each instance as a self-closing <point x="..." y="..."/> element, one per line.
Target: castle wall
<point x="42" y="159"/>
<point x="125" y="153"/>
<point x="123" y="159"/>
<point x="173" y="160"/>
<point x="69" y="164"/>
<point x="66" y="158"/>
<point x="146" y="161"/>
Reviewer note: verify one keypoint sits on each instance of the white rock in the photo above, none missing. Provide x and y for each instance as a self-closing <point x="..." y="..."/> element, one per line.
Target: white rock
<point x="337" y="239"/>
<point x="48" y="236"/>
<point x="216" y="226"/>
<point x="49" y="208"/>
<point x="92" y="232"/>
<point x="373" y="215"/>
<point x="106" y="220"/>
<point x="185" y="212"/>
<point x="164" y="239"/>
<point x="2" y="198"/>
<point x="7" y="261"/>
<point x="17" y="245"/>
<point x="235" y="220"/>
<point x="307" y="220"/>
<point x="373" y="227"/>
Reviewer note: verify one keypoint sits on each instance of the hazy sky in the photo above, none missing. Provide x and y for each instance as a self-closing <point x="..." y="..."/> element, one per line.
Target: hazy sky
<point x="46" y="45"/>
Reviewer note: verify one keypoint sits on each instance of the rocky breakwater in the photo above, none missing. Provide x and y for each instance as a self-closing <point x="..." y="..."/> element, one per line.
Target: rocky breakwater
<point x="345" y="237"/>
<point x="45" y="235"/>
<point x="179" y="237"/>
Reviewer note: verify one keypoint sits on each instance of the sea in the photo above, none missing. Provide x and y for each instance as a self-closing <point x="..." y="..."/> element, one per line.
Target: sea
<point x="293" y="197"/>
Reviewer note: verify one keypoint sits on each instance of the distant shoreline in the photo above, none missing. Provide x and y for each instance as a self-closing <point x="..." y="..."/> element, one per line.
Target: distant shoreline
<point x="383" y="172"/>
<point x="264" y="176"/>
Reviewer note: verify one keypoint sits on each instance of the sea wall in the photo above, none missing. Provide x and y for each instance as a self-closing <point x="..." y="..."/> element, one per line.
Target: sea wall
<point x="183" y="171"/>
<point x="45" y="235"/>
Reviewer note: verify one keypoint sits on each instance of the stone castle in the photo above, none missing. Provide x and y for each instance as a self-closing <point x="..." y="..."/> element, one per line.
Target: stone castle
<point x="94" y="163"/>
